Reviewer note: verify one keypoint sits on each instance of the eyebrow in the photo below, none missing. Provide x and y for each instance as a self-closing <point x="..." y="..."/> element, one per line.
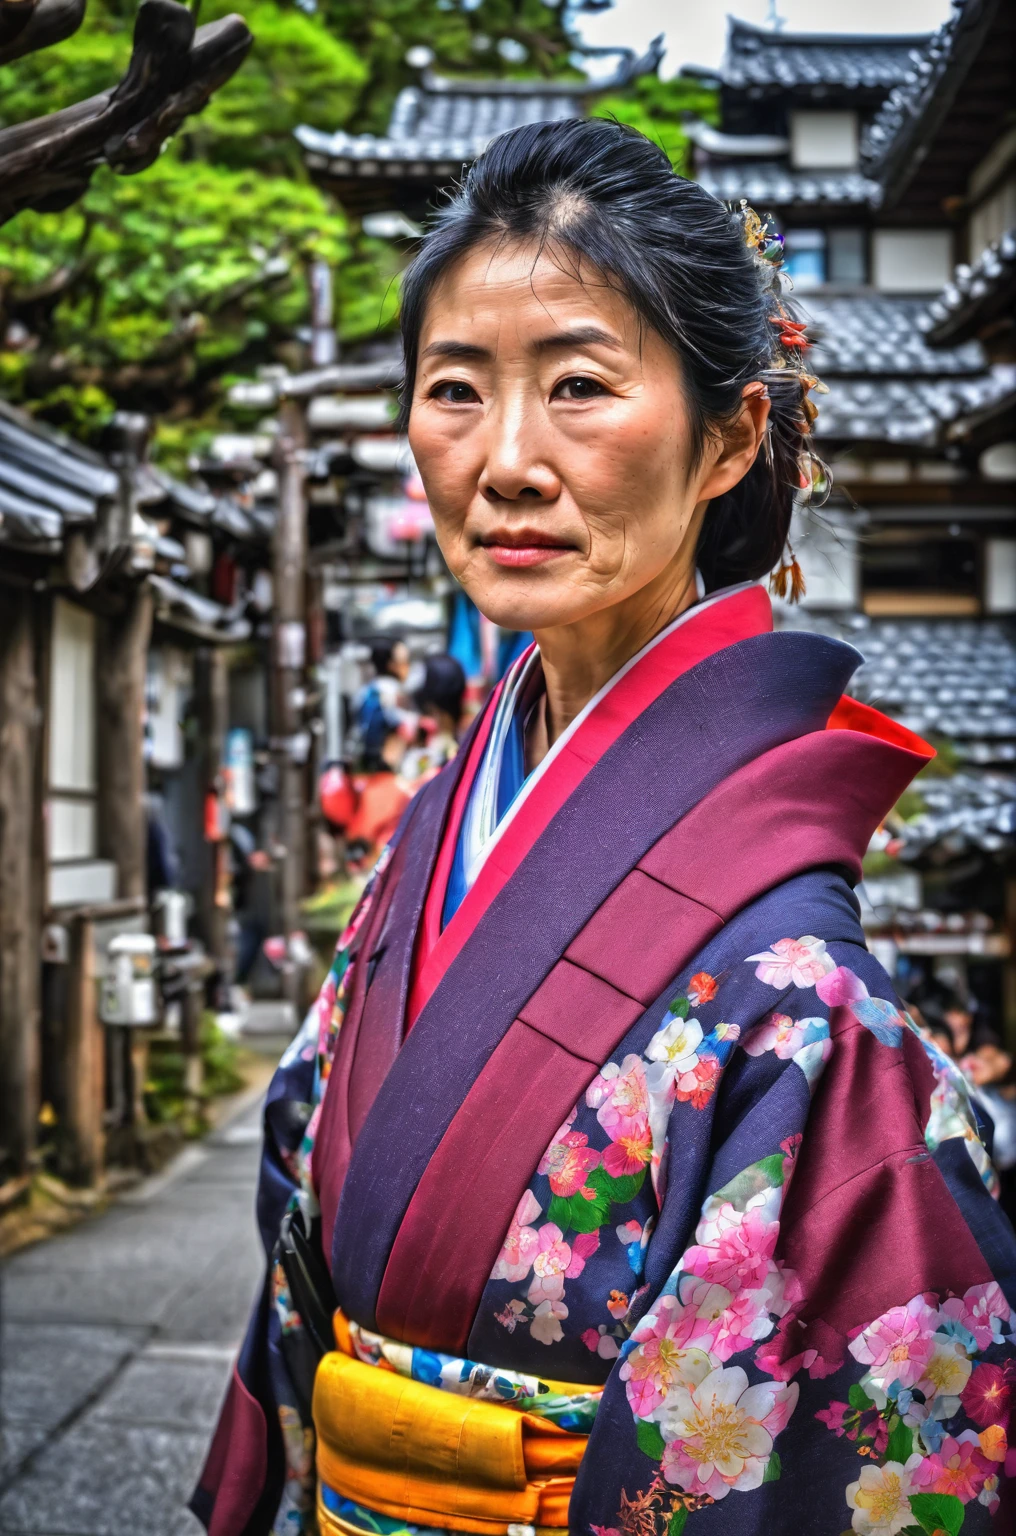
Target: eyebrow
<point x="557" y="341"/>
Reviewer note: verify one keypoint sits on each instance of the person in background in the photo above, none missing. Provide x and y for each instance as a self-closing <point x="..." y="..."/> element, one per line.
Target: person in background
<point x="439" y="700"/>
<point x="247" y="861"/>
<point x="384" y="704"/>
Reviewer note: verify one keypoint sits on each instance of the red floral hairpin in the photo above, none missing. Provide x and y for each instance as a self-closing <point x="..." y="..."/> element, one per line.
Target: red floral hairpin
<point x="793" y="333"/>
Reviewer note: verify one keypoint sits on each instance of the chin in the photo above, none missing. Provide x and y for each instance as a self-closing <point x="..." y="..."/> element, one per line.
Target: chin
<point x="528" y="610"/>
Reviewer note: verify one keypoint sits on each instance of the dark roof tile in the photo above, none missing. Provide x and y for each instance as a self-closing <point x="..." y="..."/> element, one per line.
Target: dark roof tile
<point x="757" y="56"/>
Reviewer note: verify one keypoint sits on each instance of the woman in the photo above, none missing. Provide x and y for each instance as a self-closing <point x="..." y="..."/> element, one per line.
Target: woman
<point x="644" y="1204"/>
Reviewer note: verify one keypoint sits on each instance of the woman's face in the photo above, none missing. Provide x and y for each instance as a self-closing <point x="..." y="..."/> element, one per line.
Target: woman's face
<point x="554" y="442"/>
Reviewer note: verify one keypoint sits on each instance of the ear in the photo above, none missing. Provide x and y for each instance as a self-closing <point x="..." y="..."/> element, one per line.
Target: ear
<point x="740" y="444"/>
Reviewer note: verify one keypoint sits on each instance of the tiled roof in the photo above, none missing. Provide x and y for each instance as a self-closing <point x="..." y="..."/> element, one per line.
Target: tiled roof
<point x="756" y="56"/>
<point x="904" y="412"/>
<point x="886" y="383"/>
<point x="966" y="812"/>
<point x="775" y="184"/>
<point x="47" y="482"/>
<point x="902" y="119"/>
<point x="881" y="335"/>
<point x="975" y="291"/>
<point x="441" y="123"/>
<point x="50" y="485"/>
<point x="950" y="677"/>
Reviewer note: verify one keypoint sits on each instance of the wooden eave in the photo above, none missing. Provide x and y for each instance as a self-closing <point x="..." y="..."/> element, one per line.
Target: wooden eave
<point x="926" y="172"/>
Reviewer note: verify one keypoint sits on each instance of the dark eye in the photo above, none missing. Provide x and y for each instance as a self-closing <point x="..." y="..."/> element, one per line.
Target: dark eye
<point x="578" y="388"/>
<point x="455" y="392"/>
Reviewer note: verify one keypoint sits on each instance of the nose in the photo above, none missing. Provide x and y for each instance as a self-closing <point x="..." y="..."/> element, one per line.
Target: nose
<point x="517" y="466"/>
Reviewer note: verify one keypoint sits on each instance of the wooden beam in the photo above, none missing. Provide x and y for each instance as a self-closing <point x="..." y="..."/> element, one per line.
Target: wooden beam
<point x="120" y="714"/>
<point x="82" y="1140"/>
<point x="290" y="739"/>
<point x="19" y="896"/>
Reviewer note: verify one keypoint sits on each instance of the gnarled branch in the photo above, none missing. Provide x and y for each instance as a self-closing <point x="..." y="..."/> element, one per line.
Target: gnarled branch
<point x="48" y="162"/>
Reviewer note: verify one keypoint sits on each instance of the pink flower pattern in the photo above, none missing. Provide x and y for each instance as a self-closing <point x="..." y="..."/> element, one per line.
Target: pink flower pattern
<point x="522" y="1243"/>
<point x="794" y="962"/>
<point x="730" y="1291"/>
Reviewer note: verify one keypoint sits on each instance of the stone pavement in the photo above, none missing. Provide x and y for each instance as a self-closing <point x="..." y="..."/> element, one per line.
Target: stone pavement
<point x="117" y="1343"/>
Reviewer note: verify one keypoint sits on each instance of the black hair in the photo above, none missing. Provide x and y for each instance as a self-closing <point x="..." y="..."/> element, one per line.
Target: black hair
<point x="444" y="684"/>
<point x="608" y="195"/>
<point x="382" y="649"/>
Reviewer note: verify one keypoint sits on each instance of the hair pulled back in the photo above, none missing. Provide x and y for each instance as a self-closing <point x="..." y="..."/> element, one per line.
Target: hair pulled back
<point x="607" y="194"/>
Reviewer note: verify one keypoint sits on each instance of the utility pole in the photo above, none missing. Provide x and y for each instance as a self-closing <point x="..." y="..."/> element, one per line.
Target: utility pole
<point x="290" y="737"/>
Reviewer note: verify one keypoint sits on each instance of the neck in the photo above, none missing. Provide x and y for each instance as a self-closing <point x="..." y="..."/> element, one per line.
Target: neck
<point x="578" y="659"/>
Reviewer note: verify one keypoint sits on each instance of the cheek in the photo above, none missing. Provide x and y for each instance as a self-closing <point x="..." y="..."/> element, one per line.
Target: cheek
<point x="629" y="479"/>
<point x="449" y="477"/>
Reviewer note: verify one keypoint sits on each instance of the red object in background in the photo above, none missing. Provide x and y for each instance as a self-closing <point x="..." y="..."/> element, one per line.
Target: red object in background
<point x="215" y="821"/>
<point x="222" y="582"/>
<point x="382" y="799"/>
<point x="337" y="796"/>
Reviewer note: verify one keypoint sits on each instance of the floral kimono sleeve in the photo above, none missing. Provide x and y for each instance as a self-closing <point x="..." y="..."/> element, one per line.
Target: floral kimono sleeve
<point x="824" y="1343"/>
<point x="262" y="1390"/>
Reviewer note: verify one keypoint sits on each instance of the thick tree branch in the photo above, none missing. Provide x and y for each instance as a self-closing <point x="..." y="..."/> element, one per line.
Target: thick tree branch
<point x="27" y="25"/>
<point x="47" y="163"/>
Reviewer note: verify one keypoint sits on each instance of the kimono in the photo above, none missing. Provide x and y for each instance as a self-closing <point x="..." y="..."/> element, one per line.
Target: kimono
<point x="646" y="1206"/>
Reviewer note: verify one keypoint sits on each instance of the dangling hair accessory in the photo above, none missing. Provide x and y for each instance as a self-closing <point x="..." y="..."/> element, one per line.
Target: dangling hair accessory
<point x="787" y="581"/>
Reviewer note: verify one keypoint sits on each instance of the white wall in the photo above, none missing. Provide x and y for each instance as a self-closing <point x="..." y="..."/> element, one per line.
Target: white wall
<point x="1000" y="576"/>
<point x="911" y="260"/>
<point x="823" y="140"/>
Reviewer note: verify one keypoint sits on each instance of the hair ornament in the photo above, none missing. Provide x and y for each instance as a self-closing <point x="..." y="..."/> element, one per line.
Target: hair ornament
<point x="787" y="581"/>
<point x="761" y="236"/>
<point x="793" y="333"/>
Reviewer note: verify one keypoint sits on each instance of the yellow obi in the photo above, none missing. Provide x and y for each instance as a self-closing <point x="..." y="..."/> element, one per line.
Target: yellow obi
<point x="436" y="1457"/>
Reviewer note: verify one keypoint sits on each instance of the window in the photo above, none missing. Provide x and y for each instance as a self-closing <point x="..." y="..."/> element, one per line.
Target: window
<point x="911" y="260"/>
<point x="823" y="141"/>
<point x="804" y="257"/>
<point x="920" y="570"/>
<point x="72" y="823"/>
<point x="76" y="877"/>
<point x="847" y="256"/>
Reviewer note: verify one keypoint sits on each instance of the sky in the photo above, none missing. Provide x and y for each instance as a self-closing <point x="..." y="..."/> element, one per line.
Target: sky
<point x="695" y="29"/>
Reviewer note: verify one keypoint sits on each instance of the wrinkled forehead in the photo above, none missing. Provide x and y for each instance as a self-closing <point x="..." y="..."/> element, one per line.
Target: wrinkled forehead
<point x="518" y="290"/>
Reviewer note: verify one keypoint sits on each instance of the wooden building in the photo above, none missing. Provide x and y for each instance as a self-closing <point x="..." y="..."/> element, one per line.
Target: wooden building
<point x="125" y="596"/>
<point x="442" y="124"/>
<point x="889" y="165"/>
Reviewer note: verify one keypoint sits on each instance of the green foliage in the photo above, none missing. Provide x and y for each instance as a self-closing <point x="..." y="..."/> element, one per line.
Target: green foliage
<point x="166" y="1099"/>
<point x="296" y="72"/>
<point x="220" y="1058"/>
<point x="901" y="1443"/>
<point x="774" y="1468"/>
<point x="678" y="1521"/>
<point x="938" y="1512"/>
<point x="152" y="289"/>
<point x="650" y="1440"/>
<point x="161" y="281"/>
<point x="658" y="108"/>
<point x="463" y="41"/>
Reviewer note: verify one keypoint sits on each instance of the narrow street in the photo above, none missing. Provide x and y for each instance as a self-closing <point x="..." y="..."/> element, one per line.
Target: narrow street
<point x="118" y="1339"/>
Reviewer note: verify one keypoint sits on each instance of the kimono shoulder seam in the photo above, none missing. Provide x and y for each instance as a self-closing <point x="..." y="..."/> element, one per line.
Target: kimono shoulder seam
<point x="879" y="1162"/>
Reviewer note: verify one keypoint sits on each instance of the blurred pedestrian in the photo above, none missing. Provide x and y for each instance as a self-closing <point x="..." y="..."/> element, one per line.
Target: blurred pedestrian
<point x="439" y="699"/>
<point x="384" y="707"/>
